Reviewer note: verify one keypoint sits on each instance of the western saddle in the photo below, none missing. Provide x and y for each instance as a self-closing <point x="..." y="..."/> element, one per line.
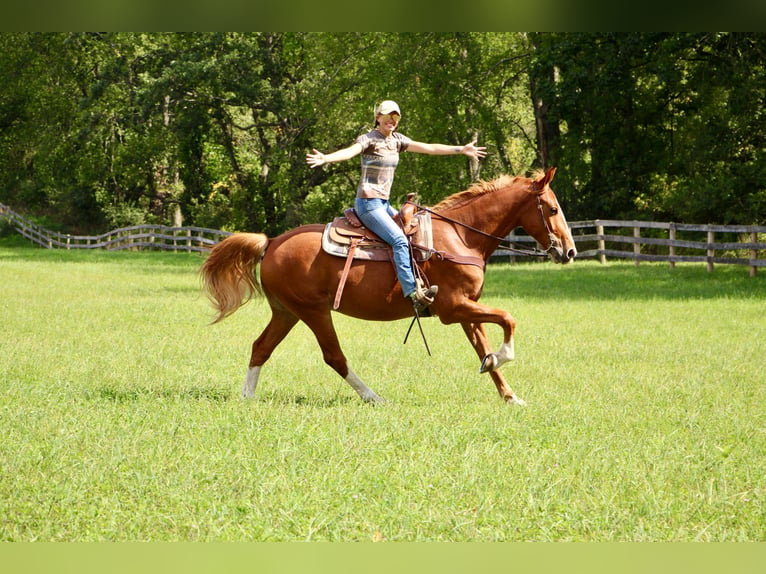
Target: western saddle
<point x="347" y="237"/>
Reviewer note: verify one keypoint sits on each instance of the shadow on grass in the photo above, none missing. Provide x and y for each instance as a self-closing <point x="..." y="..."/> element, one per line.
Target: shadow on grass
<point x="135" y="394"/>
<point x="589" y="280"/>
<point x="286" y="399"/>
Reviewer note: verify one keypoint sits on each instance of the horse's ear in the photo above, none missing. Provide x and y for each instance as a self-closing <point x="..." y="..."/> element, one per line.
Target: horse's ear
<point x="540" y="184"/>
<point x="548" y="177"/>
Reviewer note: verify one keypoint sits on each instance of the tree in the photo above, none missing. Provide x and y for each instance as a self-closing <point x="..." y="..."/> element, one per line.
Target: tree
<point x="106" y="129"/>
<point x="717" y="164"/>
<point x="39" y="144"/>
<point x="654" y="125"/>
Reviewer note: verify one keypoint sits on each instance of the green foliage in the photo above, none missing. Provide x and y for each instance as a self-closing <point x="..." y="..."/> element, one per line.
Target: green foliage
<point x="659" y="125"/>
<point x="100" y="128"/>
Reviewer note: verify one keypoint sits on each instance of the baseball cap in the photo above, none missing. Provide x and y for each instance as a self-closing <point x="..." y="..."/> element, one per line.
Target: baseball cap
<point x="387" y="107"/>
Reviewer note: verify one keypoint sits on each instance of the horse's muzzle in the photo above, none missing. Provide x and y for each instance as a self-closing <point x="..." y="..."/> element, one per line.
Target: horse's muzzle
<point x="559" y="255"/>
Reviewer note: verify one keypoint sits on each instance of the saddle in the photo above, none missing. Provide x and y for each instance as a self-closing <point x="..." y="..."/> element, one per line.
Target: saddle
<point x="347" y="237"/>
<point x="347" y="232"/>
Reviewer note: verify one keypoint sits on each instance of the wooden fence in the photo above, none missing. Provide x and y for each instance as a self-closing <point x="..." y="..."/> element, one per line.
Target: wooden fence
<point x="636" y="240"/>
<point x="655" y="241"/>
<point x="159" y="237"/>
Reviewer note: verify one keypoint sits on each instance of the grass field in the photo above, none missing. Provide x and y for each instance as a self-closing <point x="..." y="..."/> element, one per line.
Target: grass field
<point x="121" y="418"/>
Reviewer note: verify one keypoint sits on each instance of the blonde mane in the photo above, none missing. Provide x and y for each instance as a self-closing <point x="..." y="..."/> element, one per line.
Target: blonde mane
<point x="477" y="189"/>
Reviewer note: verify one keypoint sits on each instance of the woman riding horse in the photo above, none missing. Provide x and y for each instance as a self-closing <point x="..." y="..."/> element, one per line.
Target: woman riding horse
<point x="380" y="149"/>
<point x="300" y="280"/>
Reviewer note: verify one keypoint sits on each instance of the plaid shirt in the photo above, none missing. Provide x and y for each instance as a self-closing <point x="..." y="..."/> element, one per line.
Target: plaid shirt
<point x="380" y="156"/>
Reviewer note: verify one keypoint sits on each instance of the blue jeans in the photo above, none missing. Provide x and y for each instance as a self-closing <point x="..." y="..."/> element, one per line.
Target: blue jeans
<point x="377" y="216"/>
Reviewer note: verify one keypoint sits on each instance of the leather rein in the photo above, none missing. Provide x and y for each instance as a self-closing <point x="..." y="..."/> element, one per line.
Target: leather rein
<point x="504" y="243"/>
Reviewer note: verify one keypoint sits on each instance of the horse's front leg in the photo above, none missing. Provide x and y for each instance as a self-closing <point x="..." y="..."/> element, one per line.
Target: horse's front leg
<point x="471" y="315"/>
<point x="478" y="339"/>
<point x="493" y="361"/>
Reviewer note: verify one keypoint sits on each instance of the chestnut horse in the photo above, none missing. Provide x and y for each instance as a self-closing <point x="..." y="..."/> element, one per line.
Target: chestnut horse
<point x="300" y="280"/>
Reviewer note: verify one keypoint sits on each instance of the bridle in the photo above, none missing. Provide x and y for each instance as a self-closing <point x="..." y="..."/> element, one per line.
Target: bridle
<point x="553" y="242"/>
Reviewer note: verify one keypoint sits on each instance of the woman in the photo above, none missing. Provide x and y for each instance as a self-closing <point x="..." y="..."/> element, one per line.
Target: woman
<point x="380" y="149"/>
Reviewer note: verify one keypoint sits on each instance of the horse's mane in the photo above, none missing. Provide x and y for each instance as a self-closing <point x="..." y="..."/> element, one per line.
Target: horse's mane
<point x="479" y="188"/>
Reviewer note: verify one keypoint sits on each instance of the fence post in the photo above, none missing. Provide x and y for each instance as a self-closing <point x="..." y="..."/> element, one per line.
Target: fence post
<point x="753" y="254"/>
<point x="710" y="252"/>
<point x="672" y="248"/>
<point x="601" y="243"/>
<point x="636" y="245"/>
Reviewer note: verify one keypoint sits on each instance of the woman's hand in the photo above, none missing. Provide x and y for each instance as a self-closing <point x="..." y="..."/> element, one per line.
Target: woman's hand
<point x="315" y="159"/>
<point x="472" y="151"/>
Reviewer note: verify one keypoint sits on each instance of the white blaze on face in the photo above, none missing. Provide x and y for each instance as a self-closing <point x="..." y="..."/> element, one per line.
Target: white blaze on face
<point x="569" y="240"/>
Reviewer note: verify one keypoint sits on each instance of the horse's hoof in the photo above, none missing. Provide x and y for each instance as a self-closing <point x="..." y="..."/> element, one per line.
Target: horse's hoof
<point x="489" y="363"/>
<point x="375" y="400"/>
<point x="516" y="401"/>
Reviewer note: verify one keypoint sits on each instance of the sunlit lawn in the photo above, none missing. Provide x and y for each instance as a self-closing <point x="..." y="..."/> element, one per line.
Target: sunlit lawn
<point x="121" y="416"/>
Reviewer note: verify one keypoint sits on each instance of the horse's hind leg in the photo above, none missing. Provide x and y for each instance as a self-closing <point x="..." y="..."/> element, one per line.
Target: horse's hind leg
<point x="320" y="323"/>
<point x="478" y="339"/>
<point x="282" y="321"/>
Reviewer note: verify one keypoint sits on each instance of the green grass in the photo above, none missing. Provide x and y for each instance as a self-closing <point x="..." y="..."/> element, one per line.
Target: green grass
<point x="121" y="417"/>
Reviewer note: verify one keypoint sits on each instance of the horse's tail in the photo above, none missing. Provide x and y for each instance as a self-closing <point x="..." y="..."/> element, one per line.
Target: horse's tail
<point x="228" y="274"/>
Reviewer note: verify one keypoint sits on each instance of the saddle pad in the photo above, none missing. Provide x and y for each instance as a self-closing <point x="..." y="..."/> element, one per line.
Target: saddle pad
<point x="381" y="251"/>
<point x="338" y="235"/>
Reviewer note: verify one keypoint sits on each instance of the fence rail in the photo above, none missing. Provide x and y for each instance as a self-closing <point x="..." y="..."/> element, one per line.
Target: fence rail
<point x="658" y="241"/>
<point x="159" y="237"/>
<point x="645" y="240"/>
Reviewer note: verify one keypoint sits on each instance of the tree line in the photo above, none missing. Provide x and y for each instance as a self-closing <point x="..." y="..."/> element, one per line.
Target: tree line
<point x="102" y="130"/>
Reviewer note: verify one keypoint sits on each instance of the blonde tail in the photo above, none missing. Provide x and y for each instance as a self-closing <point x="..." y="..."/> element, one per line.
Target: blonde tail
<point x="228" y="274"/>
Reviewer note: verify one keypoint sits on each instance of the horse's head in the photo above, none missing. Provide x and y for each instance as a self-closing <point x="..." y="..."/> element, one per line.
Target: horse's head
<point x="549" y="227"/>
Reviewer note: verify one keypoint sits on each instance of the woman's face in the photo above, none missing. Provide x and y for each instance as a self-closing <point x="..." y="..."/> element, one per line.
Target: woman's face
<point x="387" y="123"/>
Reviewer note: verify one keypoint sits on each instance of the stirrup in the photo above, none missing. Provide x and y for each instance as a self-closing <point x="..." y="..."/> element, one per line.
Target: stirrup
<point x="422" y="298"/>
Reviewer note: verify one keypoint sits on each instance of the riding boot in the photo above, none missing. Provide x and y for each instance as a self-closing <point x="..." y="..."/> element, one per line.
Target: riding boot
<point x="422" y="298"/>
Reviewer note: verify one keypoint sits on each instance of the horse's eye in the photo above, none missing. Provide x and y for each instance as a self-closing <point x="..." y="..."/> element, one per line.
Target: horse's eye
<point x="554" y="210"/>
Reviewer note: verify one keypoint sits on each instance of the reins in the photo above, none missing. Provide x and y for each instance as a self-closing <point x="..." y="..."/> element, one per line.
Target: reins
<point x="504" y="243"/>
<point x="471" y="260"/>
